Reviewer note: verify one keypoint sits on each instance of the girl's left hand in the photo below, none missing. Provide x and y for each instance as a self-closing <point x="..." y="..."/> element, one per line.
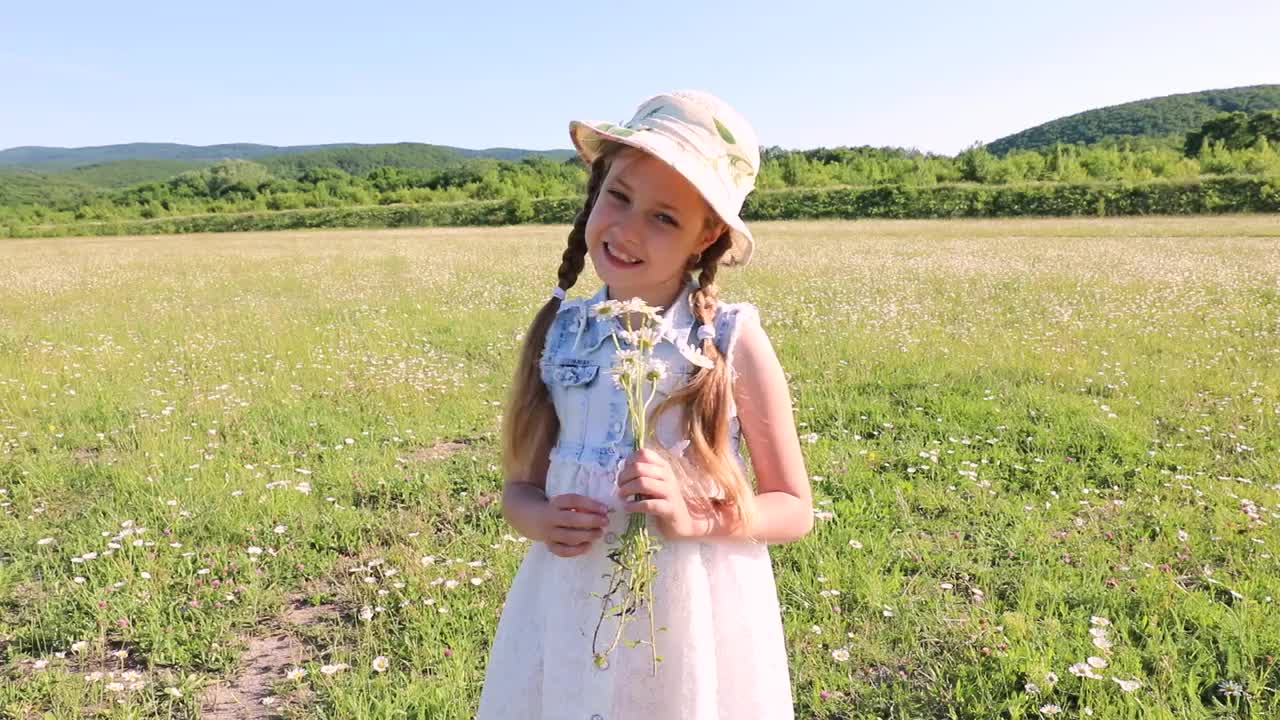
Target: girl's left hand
<point x="648" y="474"/>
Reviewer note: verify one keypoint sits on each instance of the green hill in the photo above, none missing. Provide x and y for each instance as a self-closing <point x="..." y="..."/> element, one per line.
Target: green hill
<point x="1171" y="115"/>
<point x="124" y="173"/>
<point x="360" y="159"/>
<point x="56" y="158"/>
<point x="48" y="159"/>
<point x="53" y="176"/>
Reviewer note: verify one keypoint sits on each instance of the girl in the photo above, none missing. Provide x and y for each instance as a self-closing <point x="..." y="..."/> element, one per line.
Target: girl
<point x="661" y="216"/>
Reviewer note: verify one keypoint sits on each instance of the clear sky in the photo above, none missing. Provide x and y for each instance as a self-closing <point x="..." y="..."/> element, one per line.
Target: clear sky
<point x="932" y="75"/>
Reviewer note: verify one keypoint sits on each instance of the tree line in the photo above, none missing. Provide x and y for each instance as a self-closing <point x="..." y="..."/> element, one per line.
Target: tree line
<point x="1229" y="145"/>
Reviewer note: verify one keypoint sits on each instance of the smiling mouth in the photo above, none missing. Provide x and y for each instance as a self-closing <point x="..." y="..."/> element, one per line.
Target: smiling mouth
<point x="621" y="257"/>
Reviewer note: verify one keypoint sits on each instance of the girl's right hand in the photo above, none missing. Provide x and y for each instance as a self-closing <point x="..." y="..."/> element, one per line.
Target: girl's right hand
<point x="572" y="523"/>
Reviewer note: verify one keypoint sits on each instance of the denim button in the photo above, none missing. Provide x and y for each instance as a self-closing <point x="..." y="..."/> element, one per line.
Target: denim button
<point x="597" y="716"/>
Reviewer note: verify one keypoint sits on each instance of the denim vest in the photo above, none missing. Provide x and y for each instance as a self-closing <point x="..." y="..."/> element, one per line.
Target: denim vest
<point x="592" y="409"/>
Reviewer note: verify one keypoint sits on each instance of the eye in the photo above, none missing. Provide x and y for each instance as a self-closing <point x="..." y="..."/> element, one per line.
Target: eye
<point x="618" y="195"/>
<point x="667" y="219"/>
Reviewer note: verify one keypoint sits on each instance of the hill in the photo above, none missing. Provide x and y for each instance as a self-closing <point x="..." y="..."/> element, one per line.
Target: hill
<point x="1160" y="117"/>
<point x="59" y="175"/>
<point x="51" y="159"/>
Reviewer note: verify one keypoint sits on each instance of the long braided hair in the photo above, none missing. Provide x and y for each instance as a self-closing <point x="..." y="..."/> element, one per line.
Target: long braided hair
<point x="530" y="425"/>
<point x="706" y="399"/>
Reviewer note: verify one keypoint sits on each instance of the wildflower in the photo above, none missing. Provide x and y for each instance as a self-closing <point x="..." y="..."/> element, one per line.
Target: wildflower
<point x="622" y="374"/>
<point x="173" y="692"/>
<point x="1084" y="670"/>
<point x="380" y="664"/>
<point x="295" y="674"/>
<point x="1050" y="709"/>
<point x="1231" y="688"/>
<point x="333" y="669"/>
<point x="840" y="654"/>
<point x="606" y="309"/>
<point x="655" y="370"/>
<point x="1127" y="685"/>
<point x="643" y="340"/>
<point x="629" y="357"/>
<point x="1096" y="661"/>
<point x="636" y="306"/>
<point x="632" y="572"/>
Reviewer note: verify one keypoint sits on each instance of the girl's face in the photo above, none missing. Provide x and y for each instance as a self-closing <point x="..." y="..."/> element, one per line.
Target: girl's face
<point x="646" y="223"/>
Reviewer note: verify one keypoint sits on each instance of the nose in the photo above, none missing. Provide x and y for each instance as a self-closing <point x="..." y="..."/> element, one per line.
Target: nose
<point x="627" y="231"/>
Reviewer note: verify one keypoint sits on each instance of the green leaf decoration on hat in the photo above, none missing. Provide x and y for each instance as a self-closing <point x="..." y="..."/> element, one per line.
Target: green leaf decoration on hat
<point x="724" y="131"/>
<point x="740" y="164"/>
<point x="741" y="167"/>
<point x="618" y="130"/>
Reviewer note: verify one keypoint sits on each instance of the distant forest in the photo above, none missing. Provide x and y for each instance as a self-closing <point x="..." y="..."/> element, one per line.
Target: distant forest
<point x="1233" y="144"/>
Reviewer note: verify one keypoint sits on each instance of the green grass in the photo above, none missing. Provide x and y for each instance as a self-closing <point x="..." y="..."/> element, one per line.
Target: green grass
<point x="1012" y="427"/>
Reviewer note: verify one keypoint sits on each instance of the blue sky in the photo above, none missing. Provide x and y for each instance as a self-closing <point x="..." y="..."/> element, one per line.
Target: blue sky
<point x="937" y="76"/>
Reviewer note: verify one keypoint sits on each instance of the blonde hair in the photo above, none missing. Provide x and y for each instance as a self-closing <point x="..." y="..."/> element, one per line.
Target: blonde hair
<point x="530" y="425"/>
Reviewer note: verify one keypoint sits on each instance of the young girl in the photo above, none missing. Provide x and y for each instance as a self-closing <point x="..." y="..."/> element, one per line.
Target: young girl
<point x="661" y="216"/>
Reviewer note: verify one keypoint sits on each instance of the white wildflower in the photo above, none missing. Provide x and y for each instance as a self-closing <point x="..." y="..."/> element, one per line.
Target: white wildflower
<point x="1127" y="685"/>
<point x="606" y="309"/>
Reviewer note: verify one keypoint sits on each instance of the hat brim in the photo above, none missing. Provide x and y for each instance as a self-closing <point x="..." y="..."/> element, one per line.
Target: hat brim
<point x="589" y="140"/>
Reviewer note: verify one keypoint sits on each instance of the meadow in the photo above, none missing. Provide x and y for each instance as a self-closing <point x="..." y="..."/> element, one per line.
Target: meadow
<point x="255" y="474"/>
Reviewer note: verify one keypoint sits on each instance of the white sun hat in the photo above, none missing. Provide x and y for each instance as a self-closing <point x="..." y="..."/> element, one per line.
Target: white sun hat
<point x="703" y="139"/>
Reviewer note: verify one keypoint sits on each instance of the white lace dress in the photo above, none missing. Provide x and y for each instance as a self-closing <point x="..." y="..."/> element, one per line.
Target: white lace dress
<point x="722" y="649"/>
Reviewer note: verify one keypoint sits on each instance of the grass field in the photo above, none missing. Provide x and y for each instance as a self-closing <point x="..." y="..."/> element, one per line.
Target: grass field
<point x="240" y="474"/>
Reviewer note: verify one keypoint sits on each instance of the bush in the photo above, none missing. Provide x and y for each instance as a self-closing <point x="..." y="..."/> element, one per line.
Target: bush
<point x="1208" y="195"/>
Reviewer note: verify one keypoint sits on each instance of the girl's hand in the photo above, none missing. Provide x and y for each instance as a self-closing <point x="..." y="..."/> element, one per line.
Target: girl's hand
<point x="649" y="474"/>
<point x="571" y="523"/>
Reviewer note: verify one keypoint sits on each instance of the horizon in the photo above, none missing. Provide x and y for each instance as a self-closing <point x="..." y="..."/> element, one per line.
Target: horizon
<point x="568" y="148"/>
<point x="929" y="77"/>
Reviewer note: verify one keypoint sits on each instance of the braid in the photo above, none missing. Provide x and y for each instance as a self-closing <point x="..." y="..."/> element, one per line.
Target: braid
<point x="707" y="399"/>
<point x="529" y="423"/>
<point x="573" y="260"/>
<point x="705" y="297"/>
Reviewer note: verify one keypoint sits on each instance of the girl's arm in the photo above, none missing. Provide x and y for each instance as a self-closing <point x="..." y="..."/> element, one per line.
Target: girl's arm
<point x="524" y="499"/>
<point x="784" y="500"/>
<point x="567" y="524"/>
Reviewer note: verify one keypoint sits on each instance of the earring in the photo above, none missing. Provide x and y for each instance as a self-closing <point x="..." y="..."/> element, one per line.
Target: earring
<point x="695" y="259"/>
